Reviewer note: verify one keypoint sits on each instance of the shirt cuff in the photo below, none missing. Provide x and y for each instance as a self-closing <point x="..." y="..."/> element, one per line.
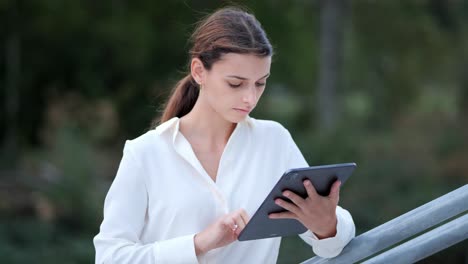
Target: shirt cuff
<point x="177" y="250"/>
<point x="332" y="246"/>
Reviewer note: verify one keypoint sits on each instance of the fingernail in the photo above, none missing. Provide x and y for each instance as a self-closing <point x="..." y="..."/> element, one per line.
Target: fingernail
<point x="307" y="182"/>
<point x="286" y="194"/>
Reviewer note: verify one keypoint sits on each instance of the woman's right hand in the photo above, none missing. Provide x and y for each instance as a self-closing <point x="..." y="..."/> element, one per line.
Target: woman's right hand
<point x="222" y="232"/>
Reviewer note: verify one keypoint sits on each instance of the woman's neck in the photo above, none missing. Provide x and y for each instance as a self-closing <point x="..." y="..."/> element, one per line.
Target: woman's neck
<point x="202" y="123"/>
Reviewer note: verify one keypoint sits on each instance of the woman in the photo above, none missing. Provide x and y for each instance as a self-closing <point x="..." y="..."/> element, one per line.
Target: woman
<point x="185" y="190"/>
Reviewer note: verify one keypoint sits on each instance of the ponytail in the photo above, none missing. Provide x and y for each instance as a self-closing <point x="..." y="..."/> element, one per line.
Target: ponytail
<point x="182" y="99"/>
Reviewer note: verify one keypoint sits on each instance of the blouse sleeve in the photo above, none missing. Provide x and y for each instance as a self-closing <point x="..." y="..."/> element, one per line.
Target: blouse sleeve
<point x="345" y="229"/>
<point x="125" y="208"/>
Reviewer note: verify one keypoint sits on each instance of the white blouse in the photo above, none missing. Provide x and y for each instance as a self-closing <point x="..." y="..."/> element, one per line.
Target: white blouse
<point x="162" y="196"/>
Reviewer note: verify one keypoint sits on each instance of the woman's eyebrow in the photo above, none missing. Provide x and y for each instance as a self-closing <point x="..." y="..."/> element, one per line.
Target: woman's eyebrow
<point x="243" y="78"/>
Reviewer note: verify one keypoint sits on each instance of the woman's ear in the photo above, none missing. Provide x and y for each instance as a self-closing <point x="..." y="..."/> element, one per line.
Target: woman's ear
<point x="197" y="70"/>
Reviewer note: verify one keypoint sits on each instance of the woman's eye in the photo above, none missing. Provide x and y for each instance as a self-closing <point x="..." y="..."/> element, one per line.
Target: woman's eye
<point x="260" y="84"/>
<point x="234" y="85"/>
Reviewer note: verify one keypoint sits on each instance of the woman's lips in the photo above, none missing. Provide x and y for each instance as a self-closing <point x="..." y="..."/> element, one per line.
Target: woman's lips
<point x="244" y="111"/>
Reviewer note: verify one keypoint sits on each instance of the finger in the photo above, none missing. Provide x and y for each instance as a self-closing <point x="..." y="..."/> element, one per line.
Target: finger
<point x="239" y="221"/>
<point x="335" y="192"/>
<point x="311" y="192"/>
<point x="282" y="215"/>
<point x="244" y="216"/>
<point x="296" y="199"/>
<point x="230" y="223"/>
<point x="239" y="224"/>
<point x="288" y="206"/>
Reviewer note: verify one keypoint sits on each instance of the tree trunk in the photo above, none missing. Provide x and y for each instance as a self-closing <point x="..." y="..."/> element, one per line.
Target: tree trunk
<point x="332" y="22"/>
<point x="12" y="57"/>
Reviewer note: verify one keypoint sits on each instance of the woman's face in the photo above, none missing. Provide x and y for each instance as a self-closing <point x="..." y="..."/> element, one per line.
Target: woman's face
<point x="234" y="85"/>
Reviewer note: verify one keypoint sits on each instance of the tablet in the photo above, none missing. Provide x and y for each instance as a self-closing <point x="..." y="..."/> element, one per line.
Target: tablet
<point x="322" y="177"/>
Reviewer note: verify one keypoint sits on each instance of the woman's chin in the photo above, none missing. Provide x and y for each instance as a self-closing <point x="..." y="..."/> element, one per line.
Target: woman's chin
<point x="236" y="119"/>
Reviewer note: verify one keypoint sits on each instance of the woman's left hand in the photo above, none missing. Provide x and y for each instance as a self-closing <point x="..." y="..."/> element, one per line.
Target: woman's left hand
<point x="317" y="213"/>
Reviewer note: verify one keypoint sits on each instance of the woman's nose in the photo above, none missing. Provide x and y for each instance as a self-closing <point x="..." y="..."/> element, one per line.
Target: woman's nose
<point x="251" y="96"/>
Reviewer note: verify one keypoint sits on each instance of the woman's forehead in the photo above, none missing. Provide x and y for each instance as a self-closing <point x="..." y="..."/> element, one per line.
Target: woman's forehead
<point x="247" y="66"/>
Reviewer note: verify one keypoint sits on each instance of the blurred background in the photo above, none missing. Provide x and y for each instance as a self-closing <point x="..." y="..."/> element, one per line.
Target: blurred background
<point x="380" y="83"/>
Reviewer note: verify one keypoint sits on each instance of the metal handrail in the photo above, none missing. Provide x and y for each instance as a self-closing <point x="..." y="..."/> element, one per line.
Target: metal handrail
<point x="427" y="244"/>
<point x="402" y="227"/>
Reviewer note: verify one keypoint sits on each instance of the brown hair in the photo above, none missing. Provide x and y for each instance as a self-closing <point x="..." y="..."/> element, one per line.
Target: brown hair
<point x="227" y="30"/>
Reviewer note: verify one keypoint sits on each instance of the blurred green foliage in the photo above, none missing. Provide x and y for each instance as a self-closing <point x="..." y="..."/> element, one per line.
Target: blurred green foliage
<point x="92" y="74"/>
